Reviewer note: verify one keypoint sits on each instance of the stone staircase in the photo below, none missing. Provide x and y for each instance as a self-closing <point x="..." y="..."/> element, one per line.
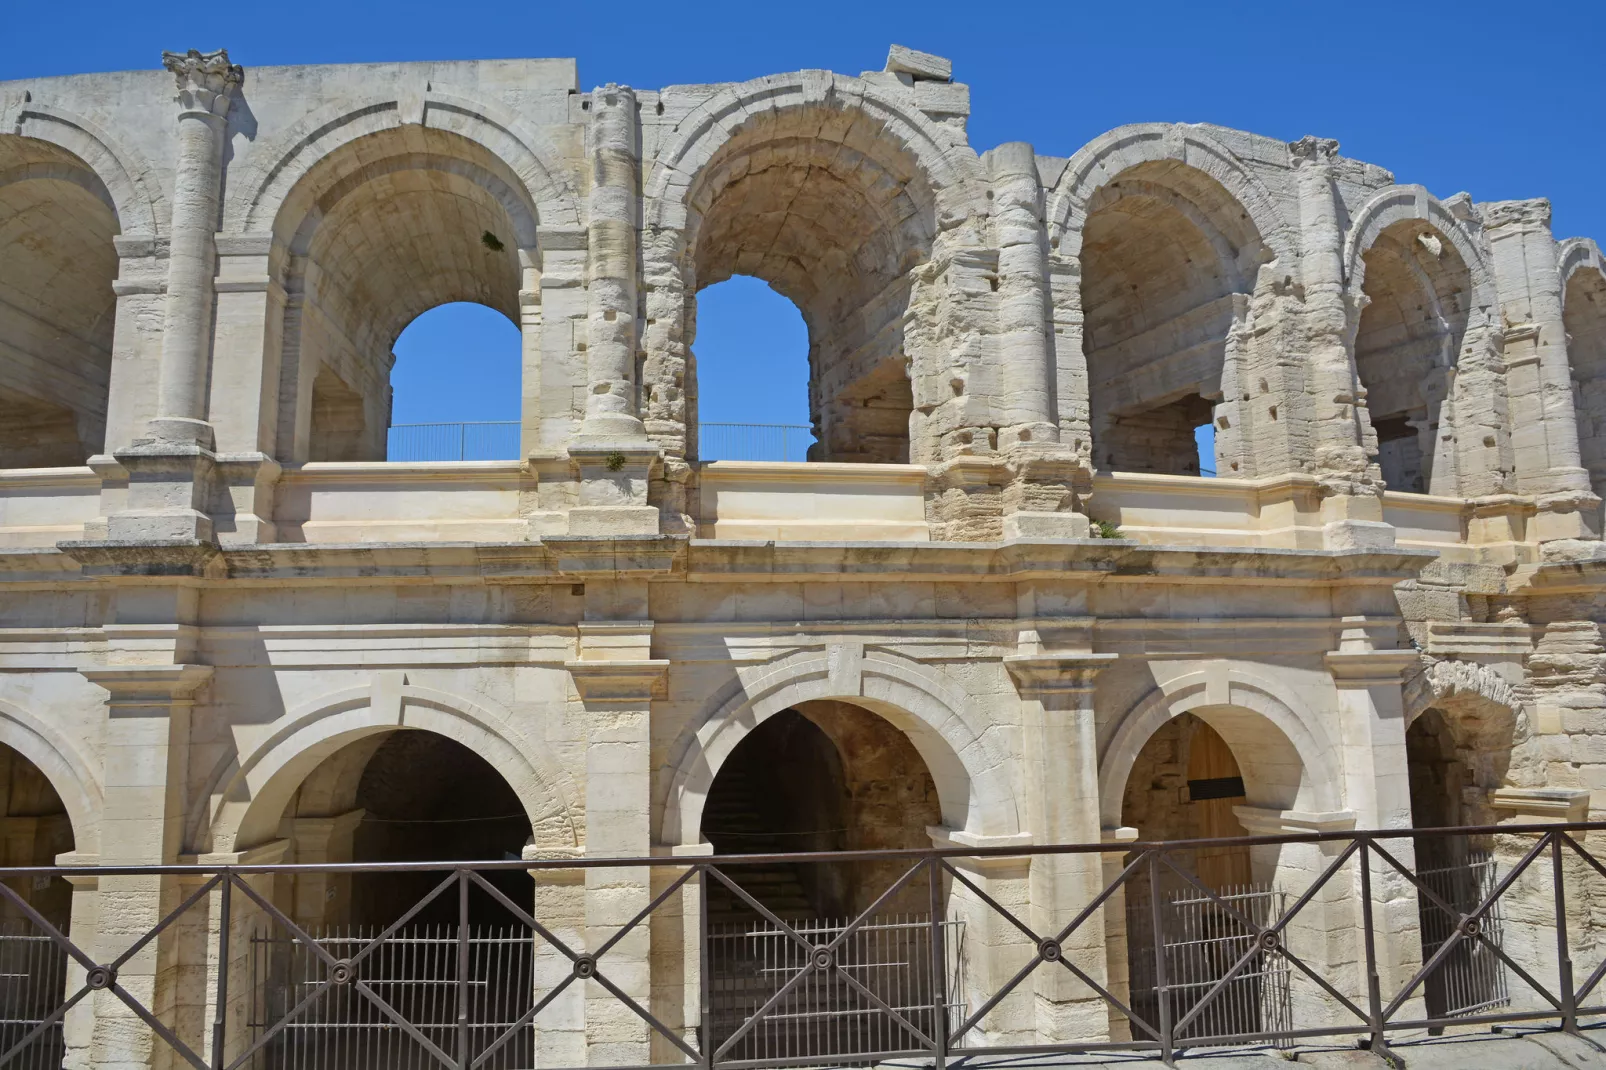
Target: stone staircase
<point x="732" y="822"/>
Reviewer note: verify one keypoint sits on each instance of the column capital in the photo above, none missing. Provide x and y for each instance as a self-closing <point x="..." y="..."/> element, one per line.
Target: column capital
<point x="1311" y="149"/>
<point x="1368" y="668"/>
<point x="206" y="80"/>
<point x="1041" y="675"/>
<point x="620" y="681"/>
<point x="1531" y="214"/>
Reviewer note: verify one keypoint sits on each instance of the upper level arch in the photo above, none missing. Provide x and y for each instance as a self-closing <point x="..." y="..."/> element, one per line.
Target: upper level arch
<point x="833" y="194"/>
<point x="379" y="230"/>
<point x="122" y="173"/>
<point x="59" y="223"/>
<point x="1583" y="312"/>
<point x="1172" y="237"/>
<point x="967" y="763"/>
<point x="1421" y="343"/>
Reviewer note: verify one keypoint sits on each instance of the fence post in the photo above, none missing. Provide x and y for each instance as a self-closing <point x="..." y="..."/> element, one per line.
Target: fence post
<point x="1374" y="994"/>
<point x="1161" y="992"/>
<point x="1564" y="958"/>
<point x="220" y="1013"/>
<point x="939" y="969"/>
<point x="705" y="996"/>
<point x="462" y="970"/>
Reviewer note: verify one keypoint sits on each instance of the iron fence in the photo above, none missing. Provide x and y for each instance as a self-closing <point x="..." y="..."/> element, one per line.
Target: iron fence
<point x="1278" y="963"/>
<point x="1471" y="978"/>
<point x="33" y="976"/>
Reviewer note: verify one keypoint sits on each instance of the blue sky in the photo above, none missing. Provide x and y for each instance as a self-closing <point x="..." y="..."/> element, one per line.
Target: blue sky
<point x="1500" y="99"/>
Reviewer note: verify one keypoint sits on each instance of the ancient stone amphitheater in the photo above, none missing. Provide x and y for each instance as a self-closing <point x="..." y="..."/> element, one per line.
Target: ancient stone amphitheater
<point x="998" y="607"/>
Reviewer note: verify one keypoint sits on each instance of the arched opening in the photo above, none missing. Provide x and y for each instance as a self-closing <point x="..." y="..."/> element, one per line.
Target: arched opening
<point x="57" y="308"/>
<point x="1584" y="316"/>
<point x="381" y="231"/>
<point x="1458" y="871"/>
<point x="1418" y="293"/>
<point x="752" y="374"/>
<point x="1169" y="262"/>
<point x="402" y="795"/>
<point x="455" y="386"/>
<point x="33" y="971"/>
<point x="833" y="214"/>
<point x="826" y="775"/>
<point x="1186" y="784"/>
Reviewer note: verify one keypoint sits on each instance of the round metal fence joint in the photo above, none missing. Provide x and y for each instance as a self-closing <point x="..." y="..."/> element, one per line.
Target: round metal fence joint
<point x="342" y="973"/>
<point x="585" y="967"/>
<point x="1471" y="927"/>
<point x="1269" y="941"/>
<point x="98" y="978"/>
<point x="1050" y="950"/>
<point x="823" y="959"/>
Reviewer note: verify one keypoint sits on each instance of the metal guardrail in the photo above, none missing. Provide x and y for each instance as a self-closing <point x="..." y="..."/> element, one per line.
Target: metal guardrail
<point x="1346" y="998"/>
<point x="498" y="440"/>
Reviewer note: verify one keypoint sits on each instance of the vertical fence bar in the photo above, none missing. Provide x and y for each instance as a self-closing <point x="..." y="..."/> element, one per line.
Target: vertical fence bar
<point x="1564" y="958"/>
<point x="939" y="956"/>
<point x="221" y="1013"/>
<point x="1162" y="995"/>
<point x="1374" y="991"/>
<point x="462" y="970"/>
<point x="705" y="977"/>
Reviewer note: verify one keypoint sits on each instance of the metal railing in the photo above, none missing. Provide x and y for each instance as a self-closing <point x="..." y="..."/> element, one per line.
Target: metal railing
<point x="33" y="975"/>
<point x="754" y="442"/>
<point x="488" y="440"/>
<point x="1472" y="978"/>
<point x="1301" y="925"/>
<point x="498" y="440"/>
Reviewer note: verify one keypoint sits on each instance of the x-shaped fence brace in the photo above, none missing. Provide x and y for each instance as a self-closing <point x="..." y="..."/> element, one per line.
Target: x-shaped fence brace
<point x="823" y="958"/>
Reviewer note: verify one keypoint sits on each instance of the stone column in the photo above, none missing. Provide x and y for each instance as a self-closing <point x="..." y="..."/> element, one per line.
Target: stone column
<point x="78" y="1028"/>
<point x="1340" y="434"/>
<point x="617" y="682"/>
<point x="1544" y="424"/>
<point x="146" y="779"/>
<point x="1062" y="792"/>
<point x="613" y="152"/>
<point x="1027" y="409"/>
<point x="205" y="83"/>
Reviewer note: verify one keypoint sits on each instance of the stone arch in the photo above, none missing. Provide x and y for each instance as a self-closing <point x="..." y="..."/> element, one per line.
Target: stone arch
<point x="138" y="203"/>
<point x="250" y="793"/>
<point x="1427" y="347"/>
<point x="54" y="755"/>
<point x="1173" y="242"/>
<point x="1583" y="312"/>
<point x="277" y="168"/>
<point x="376" y="220"/>
<point x="1291" y="767"/>
<point x="966" y="758"/>
<point x="1101" y="160"/>
<point x="832" y="191"/>
<point x="59" y="230"/>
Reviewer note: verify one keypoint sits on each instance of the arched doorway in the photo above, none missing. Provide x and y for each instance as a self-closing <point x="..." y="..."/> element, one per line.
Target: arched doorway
<point x="825" y="775"/>
<point x="396" y="797"/>
<point x="1186" y="784"/>
<point x="748" y="333"/>
<point x="1456" y="872"/>
<point x="57" y="308"/>
<point x="1419" y="296"/>
<point x="833" y="213"/>
<point x="1169" y="263"/>
<point x="382" y="230"/>
<point x="33" y="970"/>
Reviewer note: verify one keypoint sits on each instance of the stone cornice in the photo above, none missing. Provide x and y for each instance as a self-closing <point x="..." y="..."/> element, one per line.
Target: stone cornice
<point x="1040" y="675"/>
<point x="148" y="685"/>
<point x="620" y="681"/>
<point x="1364" y="668"/>
<point x="1537" y="805"/>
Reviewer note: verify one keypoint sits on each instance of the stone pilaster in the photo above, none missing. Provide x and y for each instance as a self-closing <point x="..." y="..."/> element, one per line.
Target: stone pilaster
<point x="146" y="770"/>
<point x="1543" y="421"/>
<point x="1061" y="758"/>
<point x="617" y="684"/>
<point x="1023" y="349"/>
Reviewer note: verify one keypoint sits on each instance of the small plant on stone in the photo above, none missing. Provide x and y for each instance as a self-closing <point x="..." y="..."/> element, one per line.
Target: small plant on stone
<point x="492" y="242"/>
<point x="616" y="461"/>
<point x="1103" y="529"/>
